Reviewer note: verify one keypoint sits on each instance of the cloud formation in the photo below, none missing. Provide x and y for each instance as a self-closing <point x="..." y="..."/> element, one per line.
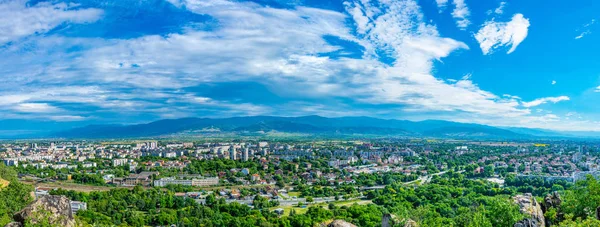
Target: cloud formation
<point x="295" y="53"/>
<point x="461" y="13"/>
<point x="500" y="9"/>
<point x="499" y="34"/>
<point x="585" y="30"/>
<point x="545" y="100"/>
<point x="441" y="4"/>
<point x="18" y="20"/>
<point x="35" y="108"/>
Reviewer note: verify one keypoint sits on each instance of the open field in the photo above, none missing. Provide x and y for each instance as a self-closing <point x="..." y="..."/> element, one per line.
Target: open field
<point x="70" y="186"/>
<point x="299" y="210"/>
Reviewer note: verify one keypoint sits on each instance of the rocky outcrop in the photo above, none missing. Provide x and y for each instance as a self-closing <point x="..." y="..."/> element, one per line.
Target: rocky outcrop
<point x="340" y="223"/>
<point x="54" y="210"/>
<point x="389" y="220"/>
<point x="530" y="207"/>
<point x="528" y="222"/>
<point x="551" y="201"/>
<point x="14" y="224"/>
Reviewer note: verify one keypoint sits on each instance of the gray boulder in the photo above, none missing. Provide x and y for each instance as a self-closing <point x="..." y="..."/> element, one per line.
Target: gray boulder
<point x="528" y="222"/>
<point x="55" y="210"/>
<point x="530" y="207"/>
<point x="340" y="223"/>
<point x="14" y="224"/>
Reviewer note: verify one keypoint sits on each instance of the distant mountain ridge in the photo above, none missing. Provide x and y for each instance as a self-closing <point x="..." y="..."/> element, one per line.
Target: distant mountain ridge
<point x="261" y="125"/>
<point x="316" y="125"/>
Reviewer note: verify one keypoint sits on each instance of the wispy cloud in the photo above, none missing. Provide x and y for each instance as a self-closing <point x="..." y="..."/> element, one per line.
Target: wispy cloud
<point x="585" y="29"/>
<point x="597" y="89"/>
<point x="461" y="13"/>
<point x="441" y="4"/>
<point x="67" y="118"/>
<point x="545" y="100"/>
<point x="500" y="9"/>
<point x="497" y="34"/>
<point x="553" y="82"/>
<point x="35" y="108"/>
<point x="19" y="19"/>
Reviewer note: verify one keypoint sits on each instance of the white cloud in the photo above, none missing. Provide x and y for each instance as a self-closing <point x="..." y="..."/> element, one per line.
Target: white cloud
<point x="67" y="118"/>
<point x="573" y="115"/>
<point x="597" y="89"/>
<point x="541" y="101"/>
<point x="461" y="13"/>
<point x="35" y="108"/>
<point x="586" y="29"/>
<point x="582" y="35"/>
<point x="500" y="9"/>
<point x="18" y="19"/>
<point x="512" y="96"/>
<point x="441" y="4"/>
<point x="553" y="82"/>
<point x="497" y="34"/>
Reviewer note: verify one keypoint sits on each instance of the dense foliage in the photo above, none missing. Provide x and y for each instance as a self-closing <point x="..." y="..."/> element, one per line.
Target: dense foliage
<point x="138" y="207"/>
<point x="14" y="196"/>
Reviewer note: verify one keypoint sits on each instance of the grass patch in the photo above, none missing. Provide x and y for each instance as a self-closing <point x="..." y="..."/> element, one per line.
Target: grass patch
<point x="352" y="202"/>
<point x="300" y="210"/>
<point x="288" y="209"/>
<point x="292" y="194"/>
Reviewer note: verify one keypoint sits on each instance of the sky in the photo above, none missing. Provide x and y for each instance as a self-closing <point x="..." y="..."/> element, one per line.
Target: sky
<point x="503" y="63"/>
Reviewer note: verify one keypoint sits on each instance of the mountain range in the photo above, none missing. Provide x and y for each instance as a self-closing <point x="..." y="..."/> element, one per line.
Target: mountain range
<point x="306" y="125"/>
<point x="267" y="125"/>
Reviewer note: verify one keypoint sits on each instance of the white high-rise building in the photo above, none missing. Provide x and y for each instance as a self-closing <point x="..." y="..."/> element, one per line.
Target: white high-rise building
<point x="232" y="154"/>
<point x="245" y="154"/>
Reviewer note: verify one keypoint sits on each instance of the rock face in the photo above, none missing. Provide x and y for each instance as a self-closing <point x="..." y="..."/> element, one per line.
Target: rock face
<point x="551" y="201"/>
<point x="529" y="206"/>
<point x="55" y="210"/>
<point x="389" y="220"/>
<point x="528" y="222"/>
<point x="340" y="223"/>
<point x="14" y="224"/>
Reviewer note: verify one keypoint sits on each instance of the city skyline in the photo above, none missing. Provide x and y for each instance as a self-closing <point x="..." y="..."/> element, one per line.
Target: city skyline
<point x="500" y="63"/>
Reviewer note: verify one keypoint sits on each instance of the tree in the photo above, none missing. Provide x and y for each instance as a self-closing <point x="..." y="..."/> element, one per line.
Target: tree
<point x="583" y="200"/>
<point x="211" y="200"/>
<point x="260" y="202"/>
<point x="488" y="171"/>
<point x="309" y="199"/>
<point x="14" y="196"/>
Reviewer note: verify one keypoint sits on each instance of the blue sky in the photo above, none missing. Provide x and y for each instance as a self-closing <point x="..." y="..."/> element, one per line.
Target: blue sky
<point x="505" y="63"/>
